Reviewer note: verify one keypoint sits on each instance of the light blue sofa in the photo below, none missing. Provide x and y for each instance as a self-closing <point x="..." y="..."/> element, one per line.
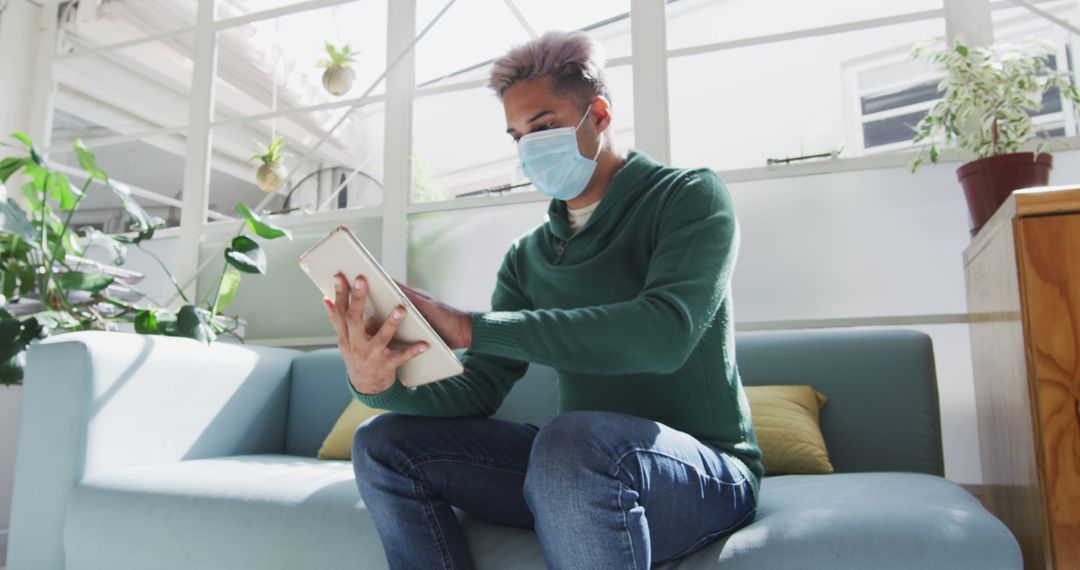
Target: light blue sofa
<point x="141" y="452"/>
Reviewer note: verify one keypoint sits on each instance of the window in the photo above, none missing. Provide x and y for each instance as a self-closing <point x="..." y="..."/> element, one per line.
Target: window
<point x="891" y="93"/>
<point x="128" y="103"/>
<point x="701" y="22"/>
<point x="739" y="107"/>
<point x="269" y="85"/>
<point x="460" y="147"/>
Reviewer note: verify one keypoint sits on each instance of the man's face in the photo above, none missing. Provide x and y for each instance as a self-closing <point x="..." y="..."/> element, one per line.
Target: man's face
<point x="531" y="107"/>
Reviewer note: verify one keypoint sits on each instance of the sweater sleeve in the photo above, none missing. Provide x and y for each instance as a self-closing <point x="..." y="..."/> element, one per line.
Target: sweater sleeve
<point x="480" y="389"/>
<point x="689" y="274"/>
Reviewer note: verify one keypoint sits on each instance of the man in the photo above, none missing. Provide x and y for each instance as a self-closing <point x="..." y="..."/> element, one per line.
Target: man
<point x="625" y="291"/>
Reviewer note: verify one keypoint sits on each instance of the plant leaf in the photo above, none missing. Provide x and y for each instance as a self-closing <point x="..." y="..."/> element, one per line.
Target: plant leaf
<point x="135" y="212"/>
<point x="84" y="281"/>
<point x="246" y="255"/>
<point x="146" y="323"/>
<point x="112" y="245"/>
<point x="25" y="139"/>
<point x="259" y="226"/>
<point x="9" y="166"/>
<point x="190" y="323"/>
<point x="60" y="189"/>
<point x="230" y="284"/>
<point x="16" y="335"/>
<point x="88" y="162"/>
<point x="13" y="220"/>
<point x="11" y="371"/>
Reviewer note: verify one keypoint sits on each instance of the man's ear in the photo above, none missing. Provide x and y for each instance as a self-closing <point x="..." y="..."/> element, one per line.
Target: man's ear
<point x="602" y="110"/>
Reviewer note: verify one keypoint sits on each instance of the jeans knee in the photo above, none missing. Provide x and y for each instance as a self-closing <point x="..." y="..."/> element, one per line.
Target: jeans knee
<point x="568" y="446"/>
<point x="377" y="437"/>
<point x="580" y="434"/>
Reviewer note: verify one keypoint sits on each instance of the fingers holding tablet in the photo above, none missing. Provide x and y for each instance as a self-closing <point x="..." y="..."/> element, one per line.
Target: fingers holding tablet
<point x="371" y="354"/>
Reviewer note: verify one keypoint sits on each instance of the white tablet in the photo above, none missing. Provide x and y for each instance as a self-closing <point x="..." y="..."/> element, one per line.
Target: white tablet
<point x="342" y="251"/>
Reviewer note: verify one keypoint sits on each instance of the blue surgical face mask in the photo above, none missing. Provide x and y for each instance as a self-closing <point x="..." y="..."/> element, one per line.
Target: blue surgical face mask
<point x="554" y="164"/>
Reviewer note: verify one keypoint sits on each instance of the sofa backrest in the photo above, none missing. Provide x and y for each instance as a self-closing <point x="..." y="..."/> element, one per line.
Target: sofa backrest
<point x="882" y="413"/>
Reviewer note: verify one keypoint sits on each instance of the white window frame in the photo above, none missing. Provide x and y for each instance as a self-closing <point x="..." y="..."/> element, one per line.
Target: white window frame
<point x="652" y="130"/>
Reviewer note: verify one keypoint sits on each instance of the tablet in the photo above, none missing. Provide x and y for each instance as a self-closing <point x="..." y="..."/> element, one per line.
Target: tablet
<point x="341" y="251"/>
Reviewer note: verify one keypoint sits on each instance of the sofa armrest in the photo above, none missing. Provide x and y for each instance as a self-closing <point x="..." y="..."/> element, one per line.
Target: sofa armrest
<point x="96" y="401"/>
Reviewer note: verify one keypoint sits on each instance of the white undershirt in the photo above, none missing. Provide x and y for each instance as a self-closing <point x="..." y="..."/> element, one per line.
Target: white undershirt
<point x="580" y="216"/>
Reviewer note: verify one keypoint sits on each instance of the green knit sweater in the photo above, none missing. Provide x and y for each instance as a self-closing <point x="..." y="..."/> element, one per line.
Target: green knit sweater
<point x="634" y="311"/>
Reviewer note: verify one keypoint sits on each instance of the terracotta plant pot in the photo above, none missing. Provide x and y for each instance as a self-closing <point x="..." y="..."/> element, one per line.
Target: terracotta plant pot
<point x="988" y="182"/>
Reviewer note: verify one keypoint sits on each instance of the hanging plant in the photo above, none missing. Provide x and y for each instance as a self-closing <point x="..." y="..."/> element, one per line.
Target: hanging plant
<point x="272" y="172"/>
<point x="339" y="75"/>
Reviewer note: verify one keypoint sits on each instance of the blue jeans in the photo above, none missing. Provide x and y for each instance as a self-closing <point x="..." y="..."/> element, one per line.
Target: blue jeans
<point x="602" y="489"/>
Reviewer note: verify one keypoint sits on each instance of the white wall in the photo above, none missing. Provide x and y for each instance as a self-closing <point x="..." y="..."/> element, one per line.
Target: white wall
<point x="19" y="28"/>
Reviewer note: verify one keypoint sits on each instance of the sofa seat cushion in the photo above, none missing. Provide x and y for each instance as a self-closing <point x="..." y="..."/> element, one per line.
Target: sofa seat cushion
<point x="282" y="511"/>
<point x="865" y="520"/>
<point x="246" y="511"/>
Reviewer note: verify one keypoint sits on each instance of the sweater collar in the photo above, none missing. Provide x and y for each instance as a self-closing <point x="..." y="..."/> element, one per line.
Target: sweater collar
<point x="625" y="183"/>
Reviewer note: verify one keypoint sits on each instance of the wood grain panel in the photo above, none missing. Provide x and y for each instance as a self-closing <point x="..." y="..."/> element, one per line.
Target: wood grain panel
<point x="1050" y="265"/>
<point x="1047" y="200"/>
<point x="1002" y="397"/>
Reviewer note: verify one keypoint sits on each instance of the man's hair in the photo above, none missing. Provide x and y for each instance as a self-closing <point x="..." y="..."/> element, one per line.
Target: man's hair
<point x="573" y="60"/>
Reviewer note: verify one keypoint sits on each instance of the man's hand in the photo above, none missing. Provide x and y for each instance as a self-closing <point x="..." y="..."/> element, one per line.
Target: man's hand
<point x="453" y="325"/>
<point x="370" y="353"/>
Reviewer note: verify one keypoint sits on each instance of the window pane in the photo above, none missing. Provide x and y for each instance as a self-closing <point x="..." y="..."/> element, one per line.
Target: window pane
<point x="452" y="51"/>
<point x="232" y="8"/>
<point x="108" y="23"/>
<point x="851" y="244"/>
<point x="123" y="91"/>
<point x="736" y="108"/>
<point x="154" y="164"/>
<point x="1016" y="23"/>
<point x="283" y="303"/>
<point x="900" y="97"/>
<point x="467" y="150"/>
<point x="455" y="255"/>
<point x="356" y="146"/>
<point x="699" y="22"/>
<point x="896" y="129"/>
<point x="285" y="51"/>
<point x="607" y="20"/>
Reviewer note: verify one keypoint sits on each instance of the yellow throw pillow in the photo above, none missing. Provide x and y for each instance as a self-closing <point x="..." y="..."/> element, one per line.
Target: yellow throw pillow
<point x="338" y="444"/>
<point x="787" y="428"/>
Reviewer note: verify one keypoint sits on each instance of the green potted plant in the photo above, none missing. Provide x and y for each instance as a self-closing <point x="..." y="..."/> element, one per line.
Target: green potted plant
<point x="989" y="96"/>
<point x="339" y="75"/>
<point x="47" y="287"/>
<point x="272" y="172"/>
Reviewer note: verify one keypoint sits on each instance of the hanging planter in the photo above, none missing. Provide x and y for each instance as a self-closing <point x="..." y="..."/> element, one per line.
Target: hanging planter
<point x="272" y="172"/>
<point x="339" y="75"/>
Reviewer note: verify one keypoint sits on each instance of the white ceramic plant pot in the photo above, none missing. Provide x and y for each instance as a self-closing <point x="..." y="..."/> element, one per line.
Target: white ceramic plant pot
<point x="270" y="176"/>
<point x="338" y="79"/>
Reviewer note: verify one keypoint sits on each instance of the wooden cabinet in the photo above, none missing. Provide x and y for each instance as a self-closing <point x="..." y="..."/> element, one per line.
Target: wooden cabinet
<point x="1023" y="290"/>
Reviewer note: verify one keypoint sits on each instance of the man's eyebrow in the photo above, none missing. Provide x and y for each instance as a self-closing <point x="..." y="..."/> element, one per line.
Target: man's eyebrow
<point x="534" y="117"/>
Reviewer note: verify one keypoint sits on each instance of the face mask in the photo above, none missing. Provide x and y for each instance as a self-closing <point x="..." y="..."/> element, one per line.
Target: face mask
<point x="554" y="164"/>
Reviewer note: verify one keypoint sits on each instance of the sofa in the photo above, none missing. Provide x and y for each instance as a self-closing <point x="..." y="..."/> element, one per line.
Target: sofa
<point x="150" y="452"/>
